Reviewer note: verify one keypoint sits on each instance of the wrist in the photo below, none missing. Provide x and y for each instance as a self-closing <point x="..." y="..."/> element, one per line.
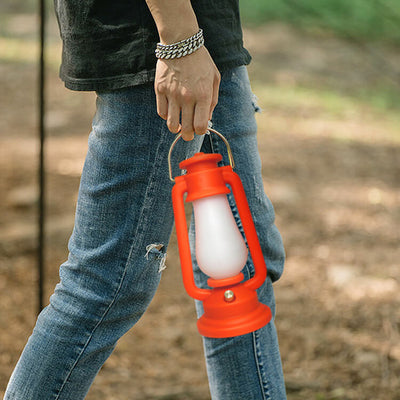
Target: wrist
<point x="180" y="49"/>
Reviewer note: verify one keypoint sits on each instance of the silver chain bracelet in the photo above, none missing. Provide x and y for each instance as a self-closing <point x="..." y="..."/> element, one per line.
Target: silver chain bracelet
<point x="180" y="49"/>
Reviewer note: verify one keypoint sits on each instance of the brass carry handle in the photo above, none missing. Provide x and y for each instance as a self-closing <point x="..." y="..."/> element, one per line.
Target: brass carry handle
<point x="228" y="147"/>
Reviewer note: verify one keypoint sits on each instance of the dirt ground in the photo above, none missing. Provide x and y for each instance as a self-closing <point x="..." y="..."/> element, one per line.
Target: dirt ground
<point x="331" y="165"/>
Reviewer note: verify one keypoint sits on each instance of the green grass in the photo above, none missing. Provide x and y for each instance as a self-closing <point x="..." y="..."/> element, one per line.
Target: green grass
<point x="355" y="19"/>
<point x="330" y="101"/>
<point x="330" y="105"/>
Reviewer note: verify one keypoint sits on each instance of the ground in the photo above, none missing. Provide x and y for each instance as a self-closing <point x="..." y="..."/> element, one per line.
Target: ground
<point x="331" y="164"/>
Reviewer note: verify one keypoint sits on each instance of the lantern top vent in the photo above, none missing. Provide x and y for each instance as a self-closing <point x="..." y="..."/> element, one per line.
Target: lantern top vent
<point x="200" y="162"/>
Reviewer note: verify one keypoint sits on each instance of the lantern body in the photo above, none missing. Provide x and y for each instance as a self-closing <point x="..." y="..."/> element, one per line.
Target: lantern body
<point x="231" y="306"/>
<point x="220" y="249"/>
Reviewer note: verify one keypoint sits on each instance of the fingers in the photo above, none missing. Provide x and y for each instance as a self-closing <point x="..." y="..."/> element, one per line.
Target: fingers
<point x="201" y="118"/>
<point x="173" y="117"/>
<point x="187" y="130"/>
<point x="185" y="116"/>
<point x="214" y="100"/>
<point x="162" y="106"/>
<point x="205" y="107"/>
<point x="193" y="116"/>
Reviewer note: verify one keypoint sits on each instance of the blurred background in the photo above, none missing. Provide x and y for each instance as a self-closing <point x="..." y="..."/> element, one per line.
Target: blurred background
<point x="327" y="76"/>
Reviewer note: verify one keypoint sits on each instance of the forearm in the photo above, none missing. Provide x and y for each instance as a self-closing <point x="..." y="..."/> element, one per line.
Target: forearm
<point x="175" y="19"/>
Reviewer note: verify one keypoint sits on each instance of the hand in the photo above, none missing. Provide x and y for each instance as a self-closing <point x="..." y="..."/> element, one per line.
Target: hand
<point x="187" y="91"/>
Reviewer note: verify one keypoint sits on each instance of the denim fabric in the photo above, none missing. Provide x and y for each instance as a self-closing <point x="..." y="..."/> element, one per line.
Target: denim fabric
<point x="110" y="44"/>
<point x="123" y="224"/>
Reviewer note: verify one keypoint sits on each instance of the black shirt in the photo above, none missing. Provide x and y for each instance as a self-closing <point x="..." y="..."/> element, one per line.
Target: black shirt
<point x="109" y="44"/>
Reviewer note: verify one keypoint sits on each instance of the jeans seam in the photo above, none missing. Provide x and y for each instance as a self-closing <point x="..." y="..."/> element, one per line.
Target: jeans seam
<point x="265" y="394"/>
<point x="146" y="203"/>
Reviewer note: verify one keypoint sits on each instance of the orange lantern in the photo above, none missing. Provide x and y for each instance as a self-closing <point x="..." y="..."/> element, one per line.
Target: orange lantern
<point x="231" y="306"/>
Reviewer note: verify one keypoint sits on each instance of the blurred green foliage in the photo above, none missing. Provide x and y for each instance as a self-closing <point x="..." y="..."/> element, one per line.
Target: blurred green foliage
<point x="353" y="19"/>
<point x="19" y="6"/>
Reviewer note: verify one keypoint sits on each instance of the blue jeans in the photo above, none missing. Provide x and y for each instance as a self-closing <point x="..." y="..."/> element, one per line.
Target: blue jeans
<point x="122" y="228"/>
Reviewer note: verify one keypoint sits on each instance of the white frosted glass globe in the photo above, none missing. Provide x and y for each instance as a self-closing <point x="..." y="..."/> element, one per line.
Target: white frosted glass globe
<point x="220" y="249"/>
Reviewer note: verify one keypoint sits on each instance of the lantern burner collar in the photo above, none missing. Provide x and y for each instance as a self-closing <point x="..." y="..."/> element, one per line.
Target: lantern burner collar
<point x="201" y="161"/>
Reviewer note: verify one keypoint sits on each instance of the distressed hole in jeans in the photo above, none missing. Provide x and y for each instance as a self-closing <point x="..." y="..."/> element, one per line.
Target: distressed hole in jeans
<point x="155" y="250"/>
<point x="254" y="102"/>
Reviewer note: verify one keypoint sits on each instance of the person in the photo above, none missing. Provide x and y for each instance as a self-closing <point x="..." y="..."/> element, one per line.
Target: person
<point x="124" y="216"/>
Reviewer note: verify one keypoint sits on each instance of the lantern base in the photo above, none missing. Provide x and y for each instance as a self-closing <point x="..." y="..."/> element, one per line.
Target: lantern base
<point x="232" y="311"/>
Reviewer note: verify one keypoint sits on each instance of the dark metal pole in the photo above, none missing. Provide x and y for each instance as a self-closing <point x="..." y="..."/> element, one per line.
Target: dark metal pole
<point x="41" y="172"/>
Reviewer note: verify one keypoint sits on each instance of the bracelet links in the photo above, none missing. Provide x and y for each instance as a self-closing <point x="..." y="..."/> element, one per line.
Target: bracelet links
<point x="180" y="49"/>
